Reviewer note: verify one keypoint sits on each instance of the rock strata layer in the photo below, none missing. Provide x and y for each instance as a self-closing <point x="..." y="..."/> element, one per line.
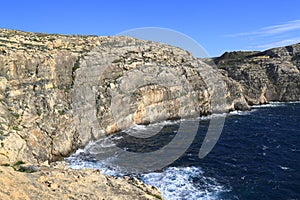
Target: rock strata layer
<point x="58" y="92"/>
<point x="271" y="75"/>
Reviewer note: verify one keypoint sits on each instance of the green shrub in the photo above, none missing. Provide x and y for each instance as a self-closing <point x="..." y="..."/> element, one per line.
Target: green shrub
<point x="20" y="162"/>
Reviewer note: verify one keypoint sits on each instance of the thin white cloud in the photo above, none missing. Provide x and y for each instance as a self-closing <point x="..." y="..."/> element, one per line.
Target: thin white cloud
<point x="277" y="44"/>
<point x="271" y="30"/>
<point x="282" y="28"/>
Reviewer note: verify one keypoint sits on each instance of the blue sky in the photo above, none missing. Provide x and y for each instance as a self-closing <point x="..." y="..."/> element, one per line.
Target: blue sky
<point x="218" y="26"/>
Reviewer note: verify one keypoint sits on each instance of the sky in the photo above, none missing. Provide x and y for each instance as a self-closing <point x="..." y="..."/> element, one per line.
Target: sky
<point x="218" y="26"/>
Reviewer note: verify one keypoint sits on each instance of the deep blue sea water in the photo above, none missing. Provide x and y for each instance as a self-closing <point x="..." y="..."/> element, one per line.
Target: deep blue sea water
<point x="256" y="157"/>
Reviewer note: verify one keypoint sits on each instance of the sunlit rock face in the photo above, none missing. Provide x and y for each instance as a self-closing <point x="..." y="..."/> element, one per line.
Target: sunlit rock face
<point x="58" y="92"/>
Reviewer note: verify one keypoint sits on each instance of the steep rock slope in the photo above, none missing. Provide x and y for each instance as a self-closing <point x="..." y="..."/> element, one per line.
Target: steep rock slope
<point x="59" y="92"/>
<point x="272" y="75"/>
<point x="36" y="78"/>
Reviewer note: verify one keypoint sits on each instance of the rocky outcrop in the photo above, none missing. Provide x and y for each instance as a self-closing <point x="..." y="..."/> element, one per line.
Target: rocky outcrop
<point x="272" y="75"/>
<point x="36" y="78"/>
<point x="61" y="182"/>
<point x="58" y="92"/>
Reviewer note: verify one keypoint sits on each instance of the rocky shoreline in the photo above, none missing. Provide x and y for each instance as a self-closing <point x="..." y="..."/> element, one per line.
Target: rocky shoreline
<point x="58" y="181"/>
<point x="58" y="92"/>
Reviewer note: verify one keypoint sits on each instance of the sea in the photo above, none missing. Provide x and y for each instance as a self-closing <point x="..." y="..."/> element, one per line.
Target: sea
<point x="256" y="157"/>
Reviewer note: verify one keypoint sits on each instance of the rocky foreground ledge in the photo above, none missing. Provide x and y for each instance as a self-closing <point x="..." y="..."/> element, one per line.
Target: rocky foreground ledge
<point x="58" y="92"/>
<point x="58" y="181"/>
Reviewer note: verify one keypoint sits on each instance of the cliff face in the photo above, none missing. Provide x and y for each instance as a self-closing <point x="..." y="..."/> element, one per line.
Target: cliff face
<point x="36" y="78"/>
<point x="58" y="92"/>
<point x="37" y="124"/>
<point x="272" y="75"/>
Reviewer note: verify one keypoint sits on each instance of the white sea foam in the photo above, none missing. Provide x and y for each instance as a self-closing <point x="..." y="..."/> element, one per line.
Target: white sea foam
<point x="266" y="105"/>
<point x="177" y="183"/>
<point x="104" y="142"/>
<point x="283" y="168"/>
<point x="265" y="147"/>
<point x="238" y="112"/>
<point x="174" y="182"/>
<point x="144" y="131"/>
<point x="235" y="112"/>
<point x="212" y="116"/>
<point x="295" y="150"/>
<point x="79" y="151"/>
<point x="75" y="162"/>
<point x="273" y="104"/>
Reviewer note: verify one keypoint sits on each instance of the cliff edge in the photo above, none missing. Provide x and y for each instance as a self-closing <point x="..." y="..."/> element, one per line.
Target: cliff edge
<point x="58" y="92"/>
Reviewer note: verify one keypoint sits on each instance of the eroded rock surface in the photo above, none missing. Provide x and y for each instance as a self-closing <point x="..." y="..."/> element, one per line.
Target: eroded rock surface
<point x="58" y="92"/>
<point x="272" y="75"/>
<point x="61" y="182"/>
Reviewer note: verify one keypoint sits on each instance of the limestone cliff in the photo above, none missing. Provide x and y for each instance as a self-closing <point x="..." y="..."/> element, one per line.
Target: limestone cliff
<point x="37" y="78"/>
<point x="58" y="92"/>
<point x="272" y="75"/>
